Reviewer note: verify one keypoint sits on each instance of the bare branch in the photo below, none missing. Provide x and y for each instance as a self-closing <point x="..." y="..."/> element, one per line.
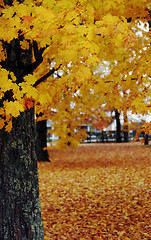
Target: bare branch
<point x="43" y="78"/>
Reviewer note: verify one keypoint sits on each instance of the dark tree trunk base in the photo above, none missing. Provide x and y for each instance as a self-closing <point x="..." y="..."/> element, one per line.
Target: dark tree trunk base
<point x="126" y="136"/>
<point x="20" y="216"/>
<point x="146" y="139"/>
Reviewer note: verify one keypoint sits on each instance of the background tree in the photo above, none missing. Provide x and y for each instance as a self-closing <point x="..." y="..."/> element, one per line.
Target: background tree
<point x="125" y="127"/>
<point x="118" y="126"/>
<point x="41" y="141"/>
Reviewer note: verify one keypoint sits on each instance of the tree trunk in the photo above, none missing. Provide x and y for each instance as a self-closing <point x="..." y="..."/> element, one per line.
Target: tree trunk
<point x="118" y="127"/>
<point x="20" y="216"/>
<point x="146" y="139"/>
<point x="125" y="128"/>
<point x="41" y="141"/>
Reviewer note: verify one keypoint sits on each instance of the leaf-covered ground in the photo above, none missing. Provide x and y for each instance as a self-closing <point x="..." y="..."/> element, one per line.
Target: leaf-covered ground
<point x="97" y="191"/>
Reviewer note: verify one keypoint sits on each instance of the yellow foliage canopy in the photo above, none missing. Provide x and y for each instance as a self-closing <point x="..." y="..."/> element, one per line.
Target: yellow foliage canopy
<point x="69" y="40"/>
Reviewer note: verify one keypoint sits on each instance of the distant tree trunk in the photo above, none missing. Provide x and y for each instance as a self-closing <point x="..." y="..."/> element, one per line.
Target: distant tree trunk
<point x="118" y="127"/>
<point x="125" y="128"/>
<point x="146" y="139"/>
<point x="41" y="141"/>
<point x="20" y="216"/>
<point x="69" y="134"/>
<point x="102" y="136"/>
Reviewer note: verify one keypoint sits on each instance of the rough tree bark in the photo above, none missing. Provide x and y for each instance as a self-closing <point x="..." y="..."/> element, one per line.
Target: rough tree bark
<point x="41" y="141"/>
<point x="20" y="216"/>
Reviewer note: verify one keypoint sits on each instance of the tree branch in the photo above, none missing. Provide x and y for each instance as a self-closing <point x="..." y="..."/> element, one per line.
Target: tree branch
<point x="43" y="78"/>
<point x="29" y="68"/>
<point x="22" y="57"/>
<point x="57" y="75"/>
<point x="123" y="80"/>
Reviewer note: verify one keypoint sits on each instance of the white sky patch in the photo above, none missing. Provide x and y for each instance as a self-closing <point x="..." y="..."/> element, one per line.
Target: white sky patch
<point x="143" y="26"/>
<point x="72" y="105"/>
<point x="103" y="69"/>
<point x="128" y="91"/>
<point x="60" y="72"/>
<point x="92" y="91"/>
<point x="52" y="65"/>
<point x="139" y="117"/>
<point x="70" y="64"/>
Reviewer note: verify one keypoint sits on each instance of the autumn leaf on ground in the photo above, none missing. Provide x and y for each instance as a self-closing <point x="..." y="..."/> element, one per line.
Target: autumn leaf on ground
<point x="97" y="191"/>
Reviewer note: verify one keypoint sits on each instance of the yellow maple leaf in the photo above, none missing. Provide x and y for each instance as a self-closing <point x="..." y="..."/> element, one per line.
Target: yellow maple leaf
<point x="8" y="126"/>
<point x="101" y="31"/>
<point x="5" y="83"/>
<point x="24" y="44"/>
<point x="109" y="19"/>
<point x="13" y="108"/>
<point x="2" y="123"/>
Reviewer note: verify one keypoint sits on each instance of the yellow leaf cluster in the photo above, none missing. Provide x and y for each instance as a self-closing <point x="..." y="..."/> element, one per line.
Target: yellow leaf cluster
<point x="13" y="108"/>
<point x="5" y="82"/>
<point x="78" y="36"/>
